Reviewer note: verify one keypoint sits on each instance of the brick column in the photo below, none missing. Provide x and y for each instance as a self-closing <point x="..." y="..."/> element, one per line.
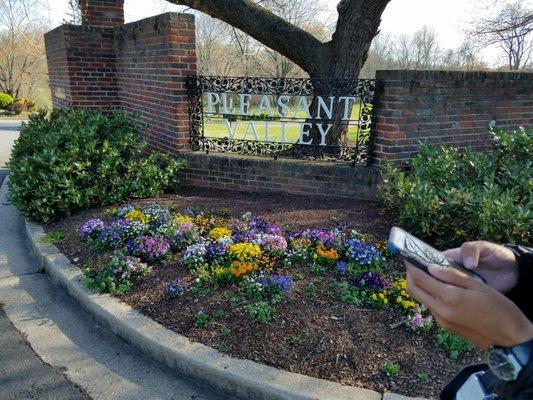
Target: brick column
<point x="102" y="13"/>
<point x="140" y="68"/>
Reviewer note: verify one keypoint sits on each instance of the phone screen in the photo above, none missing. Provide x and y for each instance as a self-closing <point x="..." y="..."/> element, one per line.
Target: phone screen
<point x="421" y="254"/>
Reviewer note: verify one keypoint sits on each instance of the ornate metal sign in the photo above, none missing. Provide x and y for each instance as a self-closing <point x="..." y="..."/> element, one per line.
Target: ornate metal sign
<point x="328" y="119"/>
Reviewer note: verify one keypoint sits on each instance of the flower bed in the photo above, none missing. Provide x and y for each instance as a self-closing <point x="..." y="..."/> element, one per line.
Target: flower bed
<point x="330" y="303"/>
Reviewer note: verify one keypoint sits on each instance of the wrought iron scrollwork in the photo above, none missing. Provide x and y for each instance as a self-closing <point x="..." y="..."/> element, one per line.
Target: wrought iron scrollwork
<point x="356" y="153"/>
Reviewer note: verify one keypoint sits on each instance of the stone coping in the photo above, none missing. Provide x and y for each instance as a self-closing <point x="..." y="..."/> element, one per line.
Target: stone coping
<point x="242" y="378"/>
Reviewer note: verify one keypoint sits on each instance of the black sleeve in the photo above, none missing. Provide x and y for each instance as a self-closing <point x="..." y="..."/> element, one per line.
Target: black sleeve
<point x="521" y="294"/>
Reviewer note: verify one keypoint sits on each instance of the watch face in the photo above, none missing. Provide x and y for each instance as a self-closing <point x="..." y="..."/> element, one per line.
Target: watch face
<point x="501" y="365"/>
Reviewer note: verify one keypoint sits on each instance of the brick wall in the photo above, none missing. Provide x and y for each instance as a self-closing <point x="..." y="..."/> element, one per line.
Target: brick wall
<point x="102" y="13"/>
<point x="447" y="107"/>
<point x="154" y="57"/>
<point x="58" y="74"/>
<point x="259" y="174"/>
<point x="139" y="67"/>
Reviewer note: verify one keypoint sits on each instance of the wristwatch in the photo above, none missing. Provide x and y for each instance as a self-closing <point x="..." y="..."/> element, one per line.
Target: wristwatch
<point x="507" y="362"/>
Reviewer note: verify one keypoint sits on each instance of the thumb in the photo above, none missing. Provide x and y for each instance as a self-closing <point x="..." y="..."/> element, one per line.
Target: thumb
<point x="471" y="252"/>
<point x="451" y="276"/>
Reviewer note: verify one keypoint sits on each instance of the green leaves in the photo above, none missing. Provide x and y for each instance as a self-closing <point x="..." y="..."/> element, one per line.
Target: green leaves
<point x="82" y="158"/>
<point x="451" y="195"/>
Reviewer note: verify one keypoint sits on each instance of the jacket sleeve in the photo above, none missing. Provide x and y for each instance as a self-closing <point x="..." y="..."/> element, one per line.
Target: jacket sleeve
<point x="521" y="294"/>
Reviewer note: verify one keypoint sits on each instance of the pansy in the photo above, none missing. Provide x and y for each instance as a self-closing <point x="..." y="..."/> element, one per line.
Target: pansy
<point x="148" y="248"/>
<point x="360" y="252"/>
<point x="91" y="228"/>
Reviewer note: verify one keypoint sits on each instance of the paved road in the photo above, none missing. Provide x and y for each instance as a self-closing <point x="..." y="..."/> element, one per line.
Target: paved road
<point x="8" y="133"/>
<point x="50" y="349"/>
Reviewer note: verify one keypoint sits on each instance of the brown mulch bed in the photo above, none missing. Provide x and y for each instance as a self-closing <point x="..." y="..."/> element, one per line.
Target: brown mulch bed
<point x="313" y="335"/>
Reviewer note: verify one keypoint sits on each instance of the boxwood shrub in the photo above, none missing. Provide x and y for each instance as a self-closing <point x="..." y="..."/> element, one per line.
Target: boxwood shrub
<point x="76" y="159"/>
<point x="5" y="101"/>
<point x="448" y="195"/>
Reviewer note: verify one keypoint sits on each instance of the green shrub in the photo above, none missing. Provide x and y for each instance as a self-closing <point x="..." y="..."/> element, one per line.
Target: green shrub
<point x="450" y="195"/>
<point x="5" y="101"/>
<point x="83" y="158"/>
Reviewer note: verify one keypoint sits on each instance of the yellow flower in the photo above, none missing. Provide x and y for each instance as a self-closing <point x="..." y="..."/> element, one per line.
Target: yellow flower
<point x="219" y="271"/>
<point x="135" y="215"/>
<point x="244" y="251"/>
<point x="331" y="253"/>
<point x="374" y="296"/>
<point x="399" y="299"/>
<point x="385" y="301"/>
<point x="182" y="219"/>
<point x="219" y="232"/>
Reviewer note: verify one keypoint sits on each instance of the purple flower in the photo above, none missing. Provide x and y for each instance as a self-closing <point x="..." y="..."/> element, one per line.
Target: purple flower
<point x="243" y="237"/>
<point x="341" y="267"/>
<point x="215" y="251"/>
<point x="91" y="228"/>
<point x="278" y="282"/>
<point x="115" y="234"/>
<point x="148" y="248"/>
<point x="263" y="226"/>
<point x="361" y="253"/>
<point x="273" y="243"/>
<point x="370" y="281"/>
<point x="127" y="268"/>
<point x="175" y="289"/>
<point x="417" y="321"/>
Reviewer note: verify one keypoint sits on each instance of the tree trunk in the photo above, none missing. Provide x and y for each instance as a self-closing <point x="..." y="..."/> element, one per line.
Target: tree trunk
<point x="342" y="58"/>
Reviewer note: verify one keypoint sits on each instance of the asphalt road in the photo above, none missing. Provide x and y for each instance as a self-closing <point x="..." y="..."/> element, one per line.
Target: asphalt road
<point x="23" y="374"/>
<point x="40" y="322"/>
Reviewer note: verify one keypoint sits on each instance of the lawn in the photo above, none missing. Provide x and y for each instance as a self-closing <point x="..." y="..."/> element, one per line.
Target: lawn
<point x="215" y="127"/>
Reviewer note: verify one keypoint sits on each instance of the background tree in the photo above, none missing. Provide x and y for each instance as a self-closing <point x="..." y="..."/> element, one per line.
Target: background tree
<point x="508" y="27"/>
<point x="22" y="59"/>
<point x="341" y="57"/>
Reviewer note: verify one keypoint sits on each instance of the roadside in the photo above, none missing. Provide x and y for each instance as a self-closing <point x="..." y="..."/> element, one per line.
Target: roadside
<point x="50" y="348"/>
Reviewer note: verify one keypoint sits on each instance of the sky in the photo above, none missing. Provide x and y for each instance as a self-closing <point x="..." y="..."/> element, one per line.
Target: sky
<point x="447" y="17"/>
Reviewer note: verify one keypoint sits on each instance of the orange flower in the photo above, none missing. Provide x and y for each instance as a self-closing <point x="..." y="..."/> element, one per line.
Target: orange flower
<point x="240" y="268"/>
<point x="324" y="253"/>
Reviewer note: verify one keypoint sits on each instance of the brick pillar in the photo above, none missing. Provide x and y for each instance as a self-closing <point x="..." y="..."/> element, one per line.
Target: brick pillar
<point x="102" y="13"/>
<point x="140" y="68"/>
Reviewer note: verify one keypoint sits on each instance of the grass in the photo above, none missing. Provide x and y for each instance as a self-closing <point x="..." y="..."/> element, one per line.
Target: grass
<point x="215" y="127"/>
<point x="54" y="237"/>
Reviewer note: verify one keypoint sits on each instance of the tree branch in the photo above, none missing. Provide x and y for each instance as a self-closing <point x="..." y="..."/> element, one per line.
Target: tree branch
<point x="271" y="30"/>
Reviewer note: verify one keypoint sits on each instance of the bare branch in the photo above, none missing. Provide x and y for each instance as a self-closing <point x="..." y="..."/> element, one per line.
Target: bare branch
<point x="263" y="25"/>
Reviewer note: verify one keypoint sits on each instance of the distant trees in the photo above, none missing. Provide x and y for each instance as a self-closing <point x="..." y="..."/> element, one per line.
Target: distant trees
<point x="508" y="26"/>
<point x="22" y="59"/>
<point x="420" y="50"/>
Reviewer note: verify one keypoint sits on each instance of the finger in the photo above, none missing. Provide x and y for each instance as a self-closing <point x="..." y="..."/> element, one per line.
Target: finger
<point x="454" y="254"/>
<point x="451" y="276"/>
<point x="419" y="294"/>
<point x="471" y="252"/>
<point x="428" y="283"/>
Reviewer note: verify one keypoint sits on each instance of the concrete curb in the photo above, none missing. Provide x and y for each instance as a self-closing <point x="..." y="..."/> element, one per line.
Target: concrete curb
<point x="242" y="378"/>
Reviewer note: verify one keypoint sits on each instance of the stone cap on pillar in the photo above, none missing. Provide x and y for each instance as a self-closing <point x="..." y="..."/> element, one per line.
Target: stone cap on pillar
<point x="102" y="13"/>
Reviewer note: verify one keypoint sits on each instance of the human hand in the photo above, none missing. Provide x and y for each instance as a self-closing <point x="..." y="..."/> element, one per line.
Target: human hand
<point x="468" y="308"/>
<point x="496" y="263"/>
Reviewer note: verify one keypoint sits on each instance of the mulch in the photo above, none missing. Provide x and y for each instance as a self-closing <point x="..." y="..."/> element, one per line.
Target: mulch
<point x="317" y="336"/>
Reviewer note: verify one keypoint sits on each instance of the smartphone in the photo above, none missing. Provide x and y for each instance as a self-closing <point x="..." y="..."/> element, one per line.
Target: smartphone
<point x="409" y="248"/>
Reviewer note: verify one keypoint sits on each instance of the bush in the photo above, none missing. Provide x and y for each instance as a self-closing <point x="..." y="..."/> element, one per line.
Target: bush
<point x="5" y="101"/>
<point x="22" y="104"/>
<point x="83" y="158"/>
<point x="450" y="195"/>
